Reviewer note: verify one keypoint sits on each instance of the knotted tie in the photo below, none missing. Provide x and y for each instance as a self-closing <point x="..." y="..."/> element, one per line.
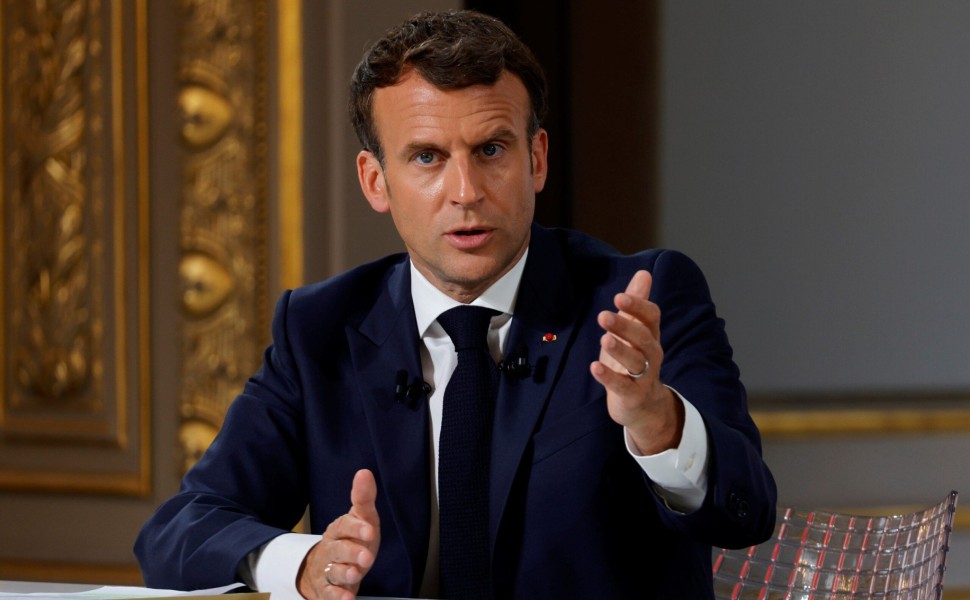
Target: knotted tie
<point x="463" y="456"/>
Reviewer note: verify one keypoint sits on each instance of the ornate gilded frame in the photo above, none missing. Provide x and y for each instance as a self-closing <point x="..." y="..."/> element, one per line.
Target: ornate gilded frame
<point x="75" y="382"/>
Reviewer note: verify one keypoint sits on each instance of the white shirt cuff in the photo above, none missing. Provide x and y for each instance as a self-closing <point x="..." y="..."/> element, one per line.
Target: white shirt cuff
<point x="679" y="474"/>
<point x="274" y="566"/>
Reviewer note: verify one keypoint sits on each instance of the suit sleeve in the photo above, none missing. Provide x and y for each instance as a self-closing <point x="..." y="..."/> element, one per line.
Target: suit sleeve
<point x="739" y="508"/>
<point x="243" y="492"/>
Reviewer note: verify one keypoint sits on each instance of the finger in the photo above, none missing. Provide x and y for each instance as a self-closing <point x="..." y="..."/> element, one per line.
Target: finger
<point x="335" y="589"/>
<point x="640" y="284"/>
<point x="348" y="527"/>
<point x="363" y="492"/>
<point x="337" y="593"/>
<point x="625" y="330"/>
<point x="635" y="296"/>
<point x="353" y="559"/>
<point x="627" y="345"/>
<point x="617" y="382"/>
<point x="363" y="503"/>
<point x="625" y="355"/>
<point x="341" y="574"/>
<point x="634" y="308"/>
<point x="314" y="579"/>
<point x="330" y="574"/>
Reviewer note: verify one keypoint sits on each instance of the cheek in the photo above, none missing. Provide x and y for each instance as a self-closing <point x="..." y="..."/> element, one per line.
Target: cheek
<point x="414" y="192"/>
<point x="430" y="191"/>
<point x="522" y="192"/>
<point x="412" y="210"/>
<point x="527" y="212"/>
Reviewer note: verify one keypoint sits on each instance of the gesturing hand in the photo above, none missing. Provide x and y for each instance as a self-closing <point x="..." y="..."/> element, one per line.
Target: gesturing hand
<point x="629" y="369"/>
<point x="335" y="566"/>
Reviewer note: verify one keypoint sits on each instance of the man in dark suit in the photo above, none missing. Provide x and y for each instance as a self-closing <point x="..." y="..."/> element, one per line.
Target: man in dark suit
<point x="621" y="445"/>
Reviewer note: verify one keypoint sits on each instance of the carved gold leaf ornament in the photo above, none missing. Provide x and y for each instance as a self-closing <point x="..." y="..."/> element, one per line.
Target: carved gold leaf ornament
<point x="195" y="435"/>
<point x="55" y="215"/>
<point x="74" y="335"/>
<point x="206" y="284"/>
<point x="51" y="361"/>
<point x="205" y="116"/>
<point x="223" y="222"/>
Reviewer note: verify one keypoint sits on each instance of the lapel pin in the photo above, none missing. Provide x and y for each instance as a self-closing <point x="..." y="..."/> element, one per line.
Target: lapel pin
<point x="549" y="337"/>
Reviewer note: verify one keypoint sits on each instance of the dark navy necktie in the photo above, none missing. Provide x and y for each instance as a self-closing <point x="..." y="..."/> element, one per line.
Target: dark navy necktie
<point x="463" y="456"/>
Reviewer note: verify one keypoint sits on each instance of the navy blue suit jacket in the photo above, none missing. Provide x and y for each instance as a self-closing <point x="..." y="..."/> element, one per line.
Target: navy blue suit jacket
<point x="573" y="516"/>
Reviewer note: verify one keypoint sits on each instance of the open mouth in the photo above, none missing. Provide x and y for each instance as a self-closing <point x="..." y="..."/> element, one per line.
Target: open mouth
<point x="471" y="238"/>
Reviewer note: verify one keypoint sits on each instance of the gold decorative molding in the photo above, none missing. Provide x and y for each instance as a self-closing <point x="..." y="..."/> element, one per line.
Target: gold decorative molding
<point x="819" y="414"/>
<point x="74" y="368"/>
<point x="223" y="222"/>
<point x="290" y="144"/>
<point x="56" y="224"/>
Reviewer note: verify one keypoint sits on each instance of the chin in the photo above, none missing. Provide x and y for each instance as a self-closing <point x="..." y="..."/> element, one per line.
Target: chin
<point x="474" y="271"/>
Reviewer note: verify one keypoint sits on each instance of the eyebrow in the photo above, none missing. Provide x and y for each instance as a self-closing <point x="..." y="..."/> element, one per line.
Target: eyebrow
<point x="414" y="147"/>
<point x="502" y="134"/>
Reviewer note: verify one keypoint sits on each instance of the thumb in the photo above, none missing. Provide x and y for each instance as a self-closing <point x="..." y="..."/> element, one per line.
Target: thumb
<point x="363" y="496"/>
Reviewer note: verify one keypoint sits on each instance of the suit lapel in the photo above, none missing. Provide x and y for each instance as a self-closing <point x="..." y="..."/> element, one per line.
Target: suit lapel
<point x="385" y="344"/>
<point x="546" y="315"/>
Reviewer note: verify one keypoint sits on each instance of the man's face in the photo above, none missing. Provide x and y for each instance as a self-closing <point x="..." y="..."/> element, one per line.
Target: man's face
<point x="459" y="179"/>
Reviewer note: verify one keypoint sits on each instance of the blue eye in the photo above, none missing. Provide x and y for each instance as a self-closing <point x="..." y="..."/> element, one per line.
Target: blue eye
<point x="490" y="149"/>
<point x="425" y="158"/>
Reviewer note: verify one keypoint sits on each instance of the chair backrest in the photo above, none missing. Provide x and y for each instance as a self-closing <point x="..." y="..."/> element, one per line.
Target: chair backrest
<point x="817" y="555"/>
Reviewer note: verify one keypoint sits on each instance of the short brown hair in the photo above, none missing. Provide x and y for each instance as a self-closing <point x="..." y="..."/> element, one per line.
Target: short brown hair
<point x="451" y="50"/>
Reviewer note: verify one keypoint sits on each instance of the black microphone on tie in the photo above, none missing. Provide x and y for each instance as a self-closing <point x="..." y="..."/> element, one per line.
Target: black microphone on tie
<point x="517" y="366"/>
<point x="410" y="393"/>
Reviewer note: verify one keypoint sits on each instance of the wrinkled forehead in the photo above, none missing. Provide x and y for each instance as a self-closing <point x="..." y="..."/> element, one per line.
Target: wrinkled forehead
<point x="415" y="108"/>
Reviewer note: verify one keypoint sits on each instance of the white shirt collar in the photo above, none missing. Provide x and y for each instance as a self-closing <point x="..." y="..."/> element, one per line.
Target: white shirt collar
<point x="429" y="301"/>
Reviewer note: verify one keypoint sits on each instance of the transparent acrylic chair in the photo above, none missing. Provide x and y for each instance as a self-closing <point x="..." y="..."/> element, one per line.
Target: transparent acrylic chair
<point x="817" y="555"/>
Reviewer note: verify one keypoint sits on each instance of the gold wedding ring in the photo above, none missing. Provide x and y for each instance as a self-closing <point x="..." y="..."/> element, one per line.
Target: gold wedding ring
<point x="646" y="365"/>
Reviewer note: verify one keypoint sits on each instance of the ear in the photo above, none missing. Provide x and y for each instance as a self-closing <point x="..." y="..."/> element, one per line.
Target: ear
<point x="540" y="164"/>
<point x="371" y="177"/>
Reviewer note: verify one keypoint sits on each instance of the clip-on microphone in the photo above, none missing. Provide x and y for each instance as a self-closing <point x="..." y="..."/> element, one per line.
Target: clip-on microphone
<point x="516" y="366"/>
<point x="410" y="393"/>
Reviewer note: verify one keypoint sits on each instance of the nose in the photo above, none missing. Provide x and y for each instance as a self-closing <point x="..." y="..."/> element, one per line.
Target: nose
<point x="462" y="181"/>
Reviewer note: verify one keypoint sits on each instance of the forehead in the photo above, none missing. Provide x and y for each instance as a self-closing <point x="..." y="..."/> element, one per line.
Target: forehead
<point x="414" y="108"/>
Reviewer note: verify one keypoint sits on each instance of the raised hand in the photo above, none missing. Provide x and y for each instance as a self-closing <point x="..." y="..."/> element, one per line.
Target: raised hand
<point x="335" y="566"/>
<point x="629" y="369"/>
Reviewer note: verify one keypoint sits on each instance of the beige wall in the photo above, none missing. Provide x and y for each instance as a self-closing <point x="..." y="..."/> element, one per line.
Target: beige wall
<point x="814" y="163"/>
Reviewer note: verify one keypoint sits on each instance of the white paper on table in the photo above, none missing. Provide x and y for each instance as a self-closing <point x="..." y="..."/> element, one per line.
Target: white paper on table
<point x="111" y="592"/>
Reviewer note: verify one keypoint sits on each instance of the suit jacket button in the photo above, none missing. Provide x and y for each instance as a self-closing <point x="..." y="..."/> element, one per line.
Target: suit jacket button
<point x="738" y="505"/>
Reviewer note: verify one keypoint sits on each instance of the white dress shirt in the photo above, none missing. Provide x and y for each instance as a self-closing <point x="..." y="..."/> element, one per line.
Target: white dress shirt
<point x="679" y="474"/>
